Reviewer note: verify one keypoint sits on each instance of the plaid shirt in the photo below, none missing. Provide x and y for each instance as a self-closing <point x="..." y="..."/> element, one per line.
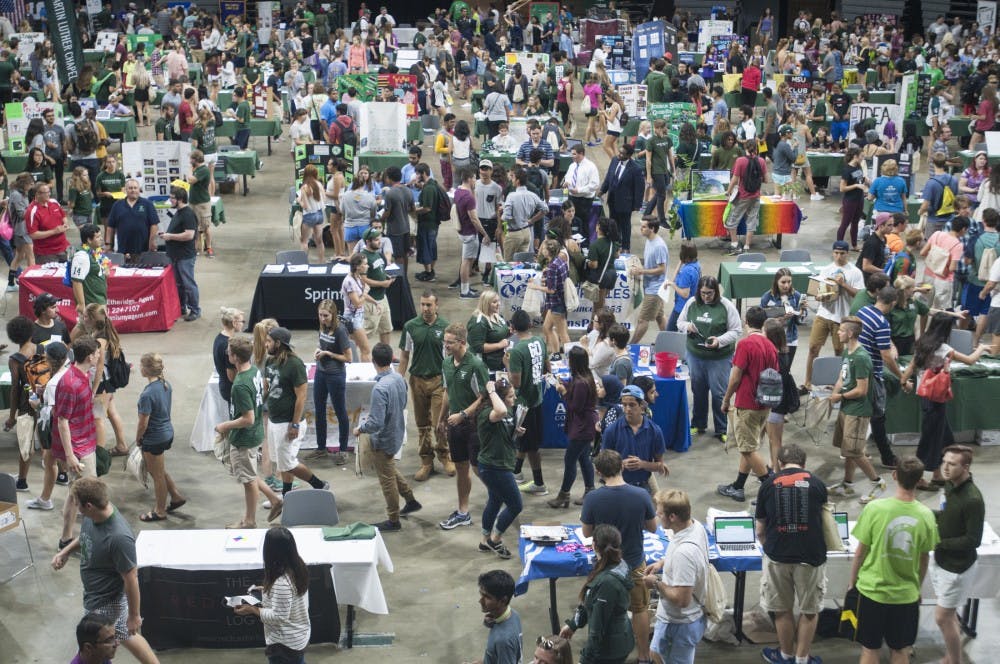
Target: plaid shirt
<point x="968" y="247"/>
<point x="74" y="402"/>
<point x="554" y="276"/>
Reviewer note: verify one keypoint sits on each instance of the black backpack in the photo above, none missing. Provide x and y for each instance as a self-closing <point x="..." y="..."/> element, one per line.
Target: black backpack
<point x="86" y="137"/>
<point x="119" y="370"/>
<point x="536" y="181"/>
<point x="753" y="176"/>
<point x="443" y="203"/>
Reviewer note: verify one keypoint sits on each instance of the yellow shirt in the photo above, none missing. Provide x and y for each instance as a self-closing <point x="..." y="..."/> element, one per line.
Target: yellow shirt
<point x="102" y="136"/>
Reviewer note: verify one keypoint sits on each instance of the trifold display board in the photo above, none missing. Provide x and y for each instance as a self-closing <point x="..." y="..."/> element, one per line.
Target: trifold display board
<point x="404" y="88"/>
<point x="383" y="127"/>
<point x="155" y="164"/>
<point x="19" y="114"/>
<point x="319" y="155"/>
<point x="527" y="60"/>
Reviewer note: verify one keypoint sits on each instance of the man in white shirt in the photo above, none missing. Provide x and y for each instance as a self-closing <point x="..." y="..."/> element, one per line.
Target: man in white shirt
<point x="833" y="305"/>
<point x="582" y="181"/>
<point x="384" y="17"/>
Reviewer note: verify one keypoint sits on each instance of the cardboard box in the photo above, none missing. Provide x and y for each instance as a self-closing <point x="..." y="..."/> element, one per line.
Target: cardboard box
<point x="818" y="286"/>
<point x="9" y="516"/>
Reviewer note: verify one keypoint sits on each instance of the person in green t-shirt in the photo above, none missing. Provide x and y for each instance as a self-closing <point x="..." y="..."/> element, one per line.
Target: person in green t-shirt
<point x="497" y="452"/>
<point x="659" y="166"/>
<point x="251" y="73"/>
<point x="242" y="115"/>
<point x="528" y="363"/>
<point x="464" y="377"/>
<point x="286" y="384"/>
<point x="903" y="317"/>
<point x="421" y="347"/>
<point x="164" y="126"/>
<point x="110" y="181"/>
<point x="200" y="198"/>
<point x="245" y="428"/>
<point x="427" y="222"/>
<point x="895" y="537"/>
<point x="90" y="282"/>
<point x="489" y="333"/>
<point x="874" y="282"/>
<point x="378" y="318"/>
<point x="854" y="390"/>
<point x="81" y="198"/>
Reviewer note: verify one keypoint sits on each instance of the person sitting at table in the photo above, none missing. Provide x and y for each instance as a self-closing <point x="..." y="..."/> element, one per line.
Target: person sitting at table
<point x="117" y="108"/>
<point x="503" y="141"/>
<point x="39" y="168"/>
<point x="133" y="222"/>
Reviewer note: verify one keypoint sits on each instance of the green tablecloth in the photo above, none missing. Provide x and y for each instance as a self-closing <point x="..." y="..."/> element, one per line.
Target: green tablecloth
<point x="973" y="408"/>
<point x="734" y="100"/>
<point x="380" y="161"/>
<point x="740" y="283"/>
<point x="631" y="128"/>
<point x="912" y="209"/>
<point x="14" y="163"/>
<point x="505" y="159"/>
<point x="967" y="155"/>
<point x="93" y="55"/>
<point x="194" y="72"/>
<point x="826" y="165"/>
<point x="124" y="127"/>
<point x="224" y="99"/>
<point x="959" y="126"/>
<point x="241" y="162"/>
<point x="258" y="127"/>
<point x="414" y="131"/>
<point x="477" y="96"/>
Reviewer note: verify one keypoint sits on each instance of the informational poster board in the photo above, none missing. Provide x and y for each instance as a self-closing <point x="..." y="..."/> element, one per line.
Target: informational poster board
<point x="992" y="143"/>
<point x="882" y="114"/>
<point x="527" y="60"/>
<point x="903" y="159"/>
<point x="799" y="88"/>
<point x="540" y="9"/>
<point x="675" y="113"/>
<point x="404" y="88"/>
<point x="258" y="101"/>
<point x="319" y="155"/>
<point x="155" y="164"/>
<point x="365" y="84"/>
<point x="230" y="8"/>
<point x="709" y="29"/>
<point x="986" y="14"/>
<point x="634" y="99"/>
<point x="906" y="95"/>
<point x="518" y="130"/>
<point x="265" y="21"/>
<point x="709" y="185"/>
<point x="148" y="40"/>
<point x="620" y="56"/>
<point x="593" y="29"/>
<point x="19" y="114"/>
<point x="383" y="127"/>
<point x="106" y="41"/>
<point x="723" y="43"/>
<point x="924" y="93"/>
<point x="26" y="44"/>
<point x="648" y="43"/>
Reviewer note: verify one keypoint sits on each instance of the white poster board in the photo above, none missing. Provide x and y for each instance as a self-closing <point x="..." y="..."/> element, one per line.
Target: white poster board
<point x="26" y="44"/>
<point x="993" y="143"/>
<point x="882" y="114"/>
<point x="106" y="41"/>
<point x="518" y="130"/>
<point x="155" y="164"/>
<point x="634" y="99"/>
<point x="709" y="29"/>
<point x="264" y="20"/>
<point x="383" y="127"/>
<point x="527" y="61"/>
<point x="986" y="14"/>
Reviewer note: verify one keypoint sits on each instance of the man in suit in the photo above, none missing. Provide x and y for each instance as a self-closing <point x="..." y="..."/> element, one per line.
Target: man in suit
<point x="625" y="186"/>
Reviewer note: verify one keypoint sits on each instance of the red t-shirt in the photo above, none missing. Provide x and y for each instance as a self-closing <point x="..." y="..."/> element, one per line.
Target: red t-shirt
<point x="754" y="353"/>
<point x="45" y="218"/>
<point x="186" y="117"/>
<point x="465" y="202"/>
<point x="740" y="168"/>
<point x="74" y="402"/>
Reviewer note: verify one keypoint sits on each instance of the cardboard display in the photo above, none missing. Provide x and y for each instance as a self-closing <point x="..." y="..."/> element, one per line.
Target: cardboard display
<point x="18" y="115"/>
<point x="383" y="127"/>
<point x="155" y="164"/>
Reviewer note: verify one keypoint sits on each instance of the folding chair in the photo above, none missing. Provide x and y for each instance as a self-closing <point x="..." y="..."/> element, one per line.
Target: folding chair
<point x="825" y="371"/>
<point x="8" y="494"/>
<point x="309" y="507"/>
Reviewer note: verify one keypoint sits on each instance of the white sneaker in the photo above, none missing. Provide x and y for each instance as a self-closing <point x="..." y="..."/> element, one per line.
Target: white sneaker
<point x="39" y="504"/>
<point x="842" y="489"/>
<point x="877" y="489"/>
<point x="817" y="197"/>
<point x="266" y="504"/>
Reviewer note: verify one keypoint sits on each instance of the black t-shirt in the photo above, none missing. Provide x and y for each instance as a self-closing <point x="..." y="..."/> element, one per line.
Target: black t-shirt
<point x="841" y="104"/>
<point x="221" y="359"/>
<point x="43" y="335"/>
<point x="791" y="505"/>
<point x="338" y="342"/>
<point x="184" y="219"/>
<point x="626" y="507"/>
<point x="874" y="250"/>
<point x="852" y="175"/>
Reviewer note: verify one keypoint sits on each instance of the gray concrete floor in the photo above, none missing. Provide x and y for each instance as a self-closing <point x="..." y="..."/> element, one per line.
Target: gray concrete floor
<point x="432" y="594"/>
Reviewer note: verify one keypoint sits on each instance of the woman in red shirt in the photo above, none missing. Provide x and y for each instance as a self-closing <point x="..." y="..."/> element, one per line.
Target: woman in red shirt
<point x="750" y="84"/>
<point x="985" y="116"/>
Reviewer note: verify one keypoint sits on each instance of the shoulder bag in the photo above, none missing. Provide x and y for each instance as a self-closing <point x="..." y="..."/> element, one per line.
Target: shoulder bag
<point x="591" y="290"/>
<point x="935" y="384"/>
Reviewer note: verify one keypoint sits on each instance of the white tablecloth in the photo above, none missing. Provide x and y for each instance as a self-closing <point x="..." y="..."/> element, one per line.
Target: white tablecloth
<point x="360" y="381"/>
<point x="354" y="563"/>
<point x="512" y="284"/>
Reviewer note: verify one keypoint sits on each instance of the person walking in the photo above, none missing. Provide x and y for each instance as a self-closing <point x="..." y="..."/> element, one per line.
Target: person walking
<point x="332" y="354"/>
<point x="489" y="333"/>
<point x="98" y="324"/>
<point x="579" y="394"/>
<point x="181" y="240"/>
<point x="55" y="353"/>
<point x="355" y="294"/>
<point x="528" y="363"/>
<point x="625" y="187"/>
<point x="604" y="602"/>
<point x="655" y="259"/>
<point x="554" y="276"/>
<point x="421" y="348"/>
<point x="789" y="518"/>
<point x="495" y="426"/>
<point x="749" y="175"/>
<point x="659" y="167"/>
<point x="386" y="426"/>
<point x="154" y="434"/>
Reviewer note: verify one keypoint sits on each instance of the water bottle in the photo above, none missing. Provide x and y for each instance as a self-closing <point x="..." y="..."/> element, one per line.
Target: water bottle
<point x="942" y="500"/>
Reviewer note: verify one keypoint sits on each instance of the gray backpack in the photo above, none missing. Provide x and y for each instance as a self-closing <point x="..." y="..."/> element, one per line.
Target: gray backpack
<point x="770" y="388"/>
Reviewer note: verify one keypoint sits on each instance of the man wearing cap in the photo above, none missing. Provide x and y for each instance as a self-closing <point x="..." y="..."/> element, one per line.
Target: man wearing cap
<point x="872" y="258"/>
<point x="747" y="203"/>
<point x="489" y="205"/>
<point x="285" y="385"/>
<point x="48" y="327"/>
<point x="421" y="347"/>
<point x="933" y="195"/>
<point x="378" y="319"/>
<point x="637" y="439"/>
<point x="90" y="282"/>
<point x="833" y="305"/>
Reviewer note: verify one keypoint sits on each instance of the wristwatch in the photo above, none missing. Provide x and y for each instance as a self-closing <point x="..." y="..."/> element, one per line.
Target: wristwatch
<point x="294" y="425"/>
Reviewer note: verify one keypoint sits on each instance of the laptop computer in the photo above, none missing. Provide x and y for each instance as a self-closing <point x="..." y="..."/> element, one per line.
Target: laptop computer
<point x="845" y="536"/>
<point x="735" y="536"/>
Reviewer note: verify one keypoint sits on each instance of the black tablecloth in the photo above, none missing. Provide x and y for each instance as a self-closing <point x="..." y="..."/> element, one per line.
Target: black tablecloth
<point x="291" y="298"/>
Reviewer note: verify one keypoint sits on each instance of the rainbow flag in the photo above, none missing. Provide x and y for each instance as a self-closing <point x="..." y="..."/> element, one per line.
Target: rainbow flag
<point x="704" y="218"/>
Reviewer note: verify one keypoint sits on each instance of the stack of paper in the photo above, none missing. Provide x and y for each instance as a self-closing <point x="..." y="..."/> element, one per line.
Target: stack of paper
<point x="273" y="269"/>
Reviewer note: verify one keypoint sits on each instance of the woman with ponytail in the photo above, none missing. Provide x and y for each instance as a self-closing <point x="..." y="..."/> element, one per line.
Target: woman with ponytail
<point x="154" y="434"/>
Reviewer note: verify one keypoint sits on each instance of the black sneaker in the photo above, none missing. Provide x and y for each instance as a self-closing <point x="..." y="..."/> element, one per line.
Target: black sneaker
<point x="21" y="484"/>
<point x="410" y="507"/>
<point x="455" y="284"/>
<point x="430" y="276"/>
<point x="729" y="491"/>
<point x="62" y="479"/>
<point x="422" y="276"/>
<point x="388" y="526"/>
<point x="498" y="548"/>
<point x="471" y="295"/>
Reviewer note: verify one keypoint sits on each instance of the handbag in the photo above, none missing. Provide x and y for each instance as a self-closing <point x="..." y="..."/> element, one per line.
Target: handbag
<point x="935" y="384"/>
<point x="830" y="533"/>
<point x="849" y="614"/>
<point x="487" y="253"/>
<point x="25" y="428"/>
<point x="6" y="229"/>
<point x="532" y="303"/>
<point x="591" y="290"/>
<point x="585" y="106"/>
<point x="938" y="259"/>
<point x="571" y="295"/>
<point x="135" y="465"/>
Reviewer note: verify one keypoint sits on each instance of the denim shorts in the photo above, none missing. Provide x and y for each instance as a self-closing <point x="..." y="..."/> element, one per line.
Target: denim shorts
<point x="676" y="643"/>
<point x="312" y="218"/>
<point x="354" y="233"/>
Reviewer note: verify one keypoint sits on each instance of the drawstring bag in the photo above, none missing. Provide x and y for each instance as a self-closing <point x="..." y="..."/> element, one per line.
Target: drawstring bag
<point x="935" y="384"/>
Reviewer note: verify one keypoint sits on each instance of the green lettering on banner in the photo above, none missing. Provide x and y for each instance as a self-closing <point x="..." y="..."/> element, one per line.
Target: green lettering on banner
<point x="65" y="38"/>
<point x="676" y="114"/>
<point x="365" y="84"/>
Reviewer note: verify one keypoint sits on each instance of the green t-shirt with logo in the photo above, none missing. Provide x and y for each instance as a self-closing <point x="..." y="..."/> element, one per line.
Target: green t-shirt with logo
<point x="425" y="344"/>
<point x="247" y="394"/>
<point x="81" y="202"/>
<point x="527" y="358"/>
<point x="376" y="271"/>
<point x="897" y="534"/>
<point x="712" y="320"/>
<point x="204" y="136"/>
<point x="658" y="150"/>
<point x="282" y="379"/>
<point x="484" y="331"/>
<point x="463" y="382"/>
<point x="243" y="115"/>
<point x="86" y="271"/>
<point x="856" y="366"/>
<point x="496" y="440"/>
<point x="199" y="190"/>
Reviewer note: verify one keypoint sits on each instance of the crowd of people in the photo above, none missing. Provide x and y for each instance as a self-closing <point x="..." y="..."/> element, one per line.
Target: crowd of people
<point x="476" y="385"/>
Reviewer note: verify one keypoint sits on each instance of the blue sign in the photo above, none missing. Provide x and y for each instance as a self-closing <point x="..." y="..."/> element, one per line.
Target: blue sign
<point x="647" y="45"/>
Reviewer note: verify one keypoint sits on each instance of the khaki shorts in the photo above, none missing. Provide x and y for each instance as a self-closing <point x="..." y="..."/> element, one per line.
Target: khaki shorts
<point x="284" y="452"/>
<point x="89" y="465"/>
<point x="244" y="463"/>
<point x="747" y="426"/>
<point x="639" y="595"/>
<point x="651" y="307"/>
<point x="377" y="318"/>
<point x="850" y="434"/>
<point x="951" y="589"/>
<point x="782" y="583"/>
<point x="204" y="213"/>
<point x="821" y="329"/>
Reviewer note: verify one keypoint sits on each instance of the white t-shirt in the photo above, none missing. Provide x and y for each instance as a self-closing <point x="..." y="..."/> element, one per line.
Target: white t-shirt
<point x="995" y="278"/>
<point x="835" y="310"/>
<point x="685" y="564"/>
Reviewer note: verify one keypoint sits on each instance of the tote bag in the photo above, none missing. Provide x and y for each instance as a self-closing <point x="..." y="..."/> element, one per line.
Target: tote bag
<point x="571" y="295"/>
<point x="935" y="384"/>
<point x="938" y="259"/>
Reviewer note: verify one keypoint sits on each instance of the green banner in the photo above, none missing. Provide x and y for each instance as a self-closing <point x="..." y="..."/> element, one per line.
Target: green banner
<point x="65" y="38"/>
<point x="148" y="40"/>
<point x="675" y="113"/>
<point x="365" y="84"/>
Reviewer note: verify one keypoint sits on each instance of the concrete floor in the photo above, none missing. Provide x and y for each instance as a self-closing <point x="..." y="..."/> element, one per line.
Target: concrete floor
<point x="432" y="595"/>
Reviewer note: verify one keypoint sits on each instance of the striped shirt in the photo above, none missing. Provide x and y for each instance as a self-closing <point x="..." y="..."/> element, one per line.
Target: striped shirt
<point x="74" y="402"/>
<point x="554" y="276"/>
<point x="524" y="152"/>
<point x="875" y="335"/>
<point x="520" y="206"/>
<point x="285" y="615"/>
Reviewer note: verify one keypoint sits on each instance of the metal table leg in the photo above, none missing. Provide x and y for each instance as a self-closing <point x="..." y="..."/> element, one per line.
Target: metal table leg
<point x="969" y="618"/>
<point x="739" y="597"/>
<point x="350" y="626"/>
<point x="268" y="145"/>
<point x="553" y="610"/>
<point x="245" y="189"/>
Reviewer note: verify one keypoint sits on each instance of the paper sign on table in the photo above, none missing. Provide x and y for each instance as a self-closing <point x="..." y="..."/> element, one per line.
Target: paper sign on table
<point x="273" y="269"/>
<point x="298" y="268"/>
<point x="340" y="268"/>
<point x="317" y="269"/>
<point x="747" y="266"/>
<point x="800" y="269"/>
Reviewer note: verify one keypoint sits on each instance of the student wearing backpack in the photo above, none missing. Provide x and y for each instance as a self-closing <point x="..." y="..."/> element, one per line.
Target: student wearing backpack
<point x="96" y="323"/>
<point x="980" y="259"/>
<point x="749" y="174"/>
<point x="22" y="416"/>
<point x="943" y="252"/>
<point x="81" y="143"/>
<point x="794" y="560"/>
<point x="754" y="355"/>
<point x="939" y="195"/>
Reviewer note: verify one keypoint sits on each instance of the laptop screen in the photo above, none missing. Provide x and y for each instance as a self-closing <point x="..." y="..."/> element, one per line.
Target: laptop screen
<point x="734" y="530"/>
<point x="841" y="519"/>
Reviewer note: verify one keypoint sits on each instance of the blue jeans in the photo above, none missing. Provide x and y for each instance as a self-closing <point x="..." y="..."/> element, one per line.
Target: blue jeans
<point x="7" y="251"/>
<point x="672" y="321"/>
<point x="242" y="138"/>
<point x="502" y="491"/>
<point x="334" y="385"/>
<point x="706" y="376"/>
<point x="187" y="289"/>
<point x="577" y="451"/>
<point x="676" y="643"/>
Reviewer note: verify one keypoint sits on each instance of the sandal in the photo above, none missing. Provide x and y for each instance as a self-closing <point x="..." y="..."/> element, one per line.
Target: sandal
<point x="119" y="453"/>
<point x="176" y="504"/>
<point x="151" y="516"/>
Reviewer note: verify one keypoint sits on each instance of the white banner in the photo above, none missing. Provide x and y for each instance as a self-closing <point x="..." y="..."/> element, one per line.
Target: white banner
<point x="155" y="164"/>
<point x="383" y="127"/>
<point x="986" y="14"/>
<point x="26" y="44"/>
<point x="106" y="41"/>
<point x="882" y="114"/>
<point x="264" y="22"/>
<point x="512" y="284"/>
<point x="709" y="29"/>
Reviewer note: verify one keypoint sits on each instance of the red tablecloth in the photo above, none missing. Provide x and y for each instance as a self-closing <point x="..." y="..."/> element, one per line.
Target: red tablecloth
<point x="136" y="303"/>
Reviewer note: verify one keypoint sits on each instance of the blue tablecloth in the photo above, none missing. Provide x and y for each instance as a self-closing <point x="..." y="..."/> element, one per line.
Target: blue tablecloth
<point x="547" y="562"/>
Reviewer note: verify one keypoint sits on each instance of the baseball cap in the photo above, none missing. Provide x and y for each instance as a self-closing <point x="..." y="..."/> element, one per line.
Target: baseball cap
<point x="281" y="335"/>
<point x="633" y="391"/>
<point x="785" y="129"/>
<point x="56" y="350"/>
<point x="882" y="218"/>
<point x="485" y="163"/>
<point x="372" y="234"/>
<point x="841" y="245"/>
<point x="669" y="56"/>
<point x="44" y="301"/>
